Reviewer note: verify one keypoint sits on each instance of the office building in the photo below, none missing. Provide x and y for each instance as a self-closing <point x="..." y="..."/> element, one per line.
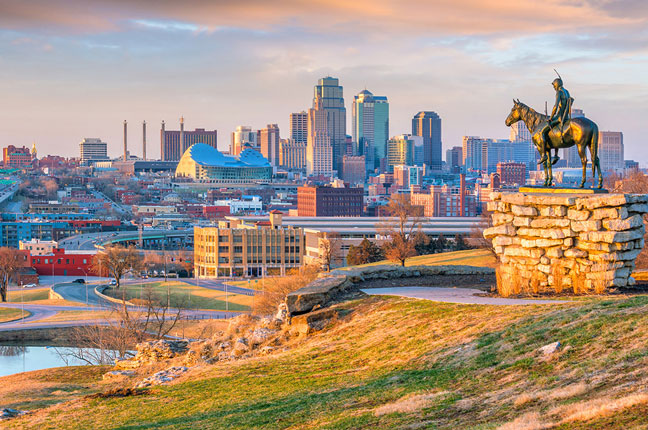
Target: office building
<point x="328" y="98"/>
<point x="244" y="137"/>
<point x="400" y="150"/>
<point x="570" y="155"/>
<point x="353" y="169"/>
<point x="205" y="163"/>
<point x="446" y="201"/>
<point x="370" y="127"/>
<point x="299" y="127"/>
<point x="511" y="173"/>
<point x="292" y="155"/>
<point x="523" y="147"/>
<point x="610" y="151"/>
<point x="428" y="126"/>
<point x="319" y="149"/>
<point x="247" y="248"/>
<point x="482" y="155"/>
<point x="91" y="150"/>
<point x="329" y="201"/>
<point x="269" y="143"/>
<point x="16" y="157"/>
<point x="407" y="176"/>
<point x="174" y="143"/>
<point x="454" y="159"/>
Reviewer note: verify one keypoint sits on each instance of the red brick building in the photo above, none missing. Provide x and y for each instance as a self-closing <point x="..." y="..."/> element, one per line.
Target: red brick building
<point x="329" y="201"/>
<point x="512" y="173"/>
<point x="16" y="157"/>
<point x="62" y="263"/>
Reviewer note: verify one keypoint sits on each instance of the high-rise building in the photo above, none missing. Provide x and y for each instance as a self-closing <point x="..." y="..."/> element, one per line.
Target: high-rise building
<point x="428" y="125"/>
<point x="329" y="98"/>
<point x="454" y="159"/>
<point x="407" y="176"/>
<point x="610" y="151"/>
<point x="370" y="127"/>
<point x="174" y="143"/>
<point x="482" y="155"/>
<point x="523" y="147"/>
<point x="16" y="157"/>
<point x="244" y="135"/>
<point x="319" y="150"/>
<point x="471" y="153"/>
<point x="299" y="127"/>
<point x="511" y="173"/>
<point x="353" y="170"/>
<point x="400" y="150"/>
<point x="292" y="155"/>
<point x="269" y="143"/>
<point x="91" y="149"/>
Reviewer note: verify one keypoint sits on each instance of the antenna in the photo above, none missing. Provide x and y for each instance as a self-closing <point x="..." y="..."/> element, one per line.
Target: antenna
<point x="546" y="112"/>
<point x="558" y="74"/>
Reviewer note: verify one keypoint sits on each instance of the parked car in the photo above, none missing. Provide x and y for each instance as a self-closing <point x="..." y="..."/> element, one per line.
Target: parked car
<point x="113" y="282"/>
<point x="79" y="281"/>
<point x="29" y="286"/>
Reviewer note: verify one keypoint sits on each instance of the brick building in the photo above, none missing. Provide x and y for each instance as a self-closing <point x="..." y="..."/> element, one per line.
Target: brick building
<point x="511" y="173"/>
<point x="16" y="157"/>
<point x="329" y="201"/>
<point x="63" y="263"/>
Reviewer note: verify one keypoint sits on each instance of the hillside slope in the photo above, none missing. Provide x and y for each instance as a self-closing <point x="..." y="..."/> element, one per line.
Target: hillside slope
<point x="401" y="363"/>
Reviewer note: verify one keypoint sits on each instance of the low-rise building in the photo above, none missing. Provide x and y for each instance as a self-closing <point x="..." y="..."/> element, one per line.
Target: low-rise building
<point x="37" y="246"/>
<point x="329" y="201"/>
<point x="241" y="248"/>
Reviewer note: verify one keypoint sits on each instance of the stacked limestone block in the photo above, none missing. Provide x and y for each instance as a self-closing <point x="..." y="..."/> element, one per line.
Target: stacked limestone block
<point x="557" y="241"/>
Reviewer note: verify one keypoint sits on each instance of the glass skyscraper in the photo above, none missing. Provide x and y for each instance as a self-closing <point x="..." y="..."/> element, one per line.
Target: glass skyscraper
<point x="370" y="127"/>
<point x="329" y="98"/>
<point x="428" y="125"/>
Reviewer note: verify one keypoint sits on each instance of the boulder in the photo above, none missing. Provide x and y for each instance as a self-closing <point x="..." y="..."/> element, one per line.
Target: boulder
<point x="313" y="321"/>
<point x="550" y="349"/>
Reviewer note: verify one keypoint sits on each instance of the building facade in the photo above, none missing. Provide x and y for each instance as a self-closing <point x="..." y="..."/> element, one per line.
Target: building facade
<point x="400" y="151"/>
<point x="446" y="201"/>
<point x="313" y="201"/>
<point x="269" y="143"/>
<point x="428" y="125"/>
<point x="353" y="169"/>
<point x="299" y="127"/>
<point x="91" y="149"/>
<point x="370" y="128"/>
<point x="243" y="137"/>
<point x="174" y="143"/>
<point x="292" y="154"/>
<point x="319" y="150"/>
<point x="17" y="158"/>
<point x="610" y="151"/>
<point x="454" y="159"/>
<point x="251" y="249"/>
<point x="511" y="173"/>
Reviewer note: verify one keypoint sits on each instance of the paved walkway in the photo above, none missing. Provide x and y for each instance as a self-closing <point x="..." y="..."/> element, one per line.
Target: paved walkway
<point x="455" y="295"/>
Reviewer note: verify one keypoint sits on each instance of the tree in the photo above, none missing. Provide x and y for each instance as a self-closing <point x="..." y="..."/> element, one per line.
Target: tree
<point x="117" y="261"/>
<point x="403" y="228"/>
<point x="366" y="252"/>
<point x="460" y="243"/>
<point x="11" y="260"/>
<point x="330" y="247"/>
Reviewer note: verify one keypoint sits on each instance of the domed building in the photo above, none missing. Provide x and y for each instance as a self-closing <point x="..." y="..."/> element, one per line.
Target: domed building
<point x="207" y="164"/>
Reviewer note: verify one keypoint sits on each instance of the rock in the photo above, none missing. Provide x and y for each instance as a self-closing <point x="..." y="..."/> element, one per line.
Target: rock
<point x="117" y="373"/>
<point x="241" y="347"/>
<point x="162" y="377"/>
<point x="314" y="321"/>
<point x="319" y="292"/>
<point x="7" y="413"/>
<point x="523" y="210"/>
<point x="266" y="350"/>
<point x="575" y="215"/>
<point x="282" y="312"/>
<point x="549" y="349"/>
<point x="260" y="335"/>
<point x="624" y="224"/>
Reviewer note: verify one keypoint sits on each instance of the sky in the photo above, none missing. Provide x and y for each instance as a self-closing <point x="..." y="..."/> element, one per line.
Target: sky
<point x="78" y="68"/>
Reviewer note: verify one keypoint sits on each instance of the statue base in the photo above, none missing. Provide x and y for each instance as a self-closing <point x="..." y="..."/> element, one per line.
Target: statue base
<point x="562" y="190"/>
<point x="554" y="242"/>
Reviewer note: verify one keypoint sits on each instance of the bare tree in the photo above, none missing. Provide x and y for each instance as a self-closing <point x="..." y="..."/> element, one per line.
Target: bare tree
<point x="276" y="289"/>
<point x="330" y="249"/>
<point x="403" y="228"/>
<point x="11" y="260"/>
<point x="124" y="327"/>
<point x="117" y="261"/>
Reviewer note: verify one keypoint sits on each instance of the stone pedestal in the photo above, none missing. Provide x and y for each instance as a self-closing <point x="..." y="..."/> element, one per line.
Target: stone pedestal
<point x="553" y="242"/>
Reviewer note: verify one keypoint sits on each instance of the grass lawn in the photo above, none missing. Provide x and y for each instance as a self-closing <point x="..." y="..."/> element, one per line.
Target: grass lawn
<point x="397" y="363"/>
<point x="469" y="257"/>
<point x="185" y="295"/>
<point x="11" y="314"/>
<point x="76" y="316"/>
<point x="36" y="296"/>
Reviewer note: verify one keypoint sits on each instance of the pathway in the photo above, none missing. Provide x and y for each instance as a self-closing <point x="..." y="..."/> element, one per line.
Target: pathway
<point x="455" y="295"/>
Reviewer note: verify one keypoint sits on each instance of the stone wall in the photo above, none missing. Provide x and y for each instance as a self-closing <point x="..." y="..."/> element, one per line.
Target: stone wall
<point x="552" y="242"/>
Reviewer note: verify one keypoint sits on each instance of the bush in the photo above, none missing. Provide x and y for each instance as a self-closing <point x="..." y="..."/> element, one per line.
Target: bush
<point x="276" y="289"/>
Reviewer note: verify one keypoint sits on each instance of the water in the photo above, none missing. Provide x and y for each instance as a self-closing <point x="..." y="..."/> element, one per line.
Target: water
<point x="16" y="359"/>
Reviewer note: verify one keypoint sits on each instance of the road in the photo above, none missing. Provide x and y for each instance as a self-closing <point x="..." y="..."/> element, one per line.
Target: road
<point x="455" y="295"/>
<point x="213" y="284"/>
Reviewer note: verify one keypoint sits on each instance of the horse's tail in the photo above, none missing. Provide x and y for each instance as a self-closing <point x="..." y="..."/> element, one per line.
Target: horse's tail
<point x="594" y="149"/>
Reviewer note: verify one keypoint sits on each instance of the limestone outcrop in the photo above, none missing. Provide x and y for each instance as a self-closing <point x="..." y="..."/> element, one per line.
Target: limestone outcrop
<point x="551" y="242"/>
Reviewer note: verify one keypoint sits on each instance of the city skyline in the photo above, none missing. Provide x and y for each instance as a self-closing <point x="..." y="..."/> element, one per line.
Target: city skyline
<point x="110" y="62"/>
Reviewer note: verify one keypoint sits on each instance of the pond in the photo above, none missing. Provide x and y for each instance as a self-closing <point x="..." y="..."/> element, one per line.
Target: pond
<point x="19" y="358"/>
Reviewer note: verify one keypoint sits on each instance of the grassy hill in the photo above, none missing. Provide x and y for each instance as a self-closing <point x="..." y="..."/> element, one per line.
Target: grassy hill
<point x="395" y="363"/>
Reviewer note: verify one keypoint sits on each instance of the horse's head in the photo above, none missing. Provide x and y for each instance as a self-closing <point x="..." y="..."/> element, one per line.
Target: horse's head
<point x="515" y="114"/>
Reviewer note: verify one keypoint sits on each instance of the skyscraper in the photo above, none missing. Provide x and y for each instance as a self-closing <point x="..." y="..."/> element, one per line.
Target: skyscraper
<point x="319" y="150"/>
<point x="610" y="151"/>
<point x="428" y="125"/>
<point x="91" y="149"/>
<point x="244" y="135"/>
<point x="524" y="149"/>
<point x="370" y="127"/>
<point x="328" y="97"/>
<point x="454" y="159"/>
<point x="299" y="127"/>
<point x="173" y="143"/>
<point x="269" y="143"/>
<point x="400" y="151"/>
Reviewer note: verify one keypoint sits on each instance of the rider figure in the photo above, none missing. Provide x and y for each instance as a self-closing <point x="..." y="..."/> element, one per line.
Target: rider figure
<point x="559" y="116"/>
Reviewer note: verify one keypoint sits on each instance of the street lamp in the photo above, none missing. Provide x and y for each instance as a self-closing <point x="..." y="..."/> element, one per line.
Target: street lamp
<point x="86" y="283"/>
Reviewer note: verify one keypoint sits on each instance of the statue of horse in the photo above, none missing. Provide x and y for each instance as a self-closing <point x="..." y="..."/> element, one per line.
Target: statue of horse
<point x="580" y="131"/>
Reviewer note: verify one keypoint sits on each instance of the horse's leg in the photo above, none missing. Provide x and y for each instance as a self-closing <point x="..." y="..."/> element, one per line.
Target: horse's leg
<point x="549" y="166"/>
<point x="582" y="153"/>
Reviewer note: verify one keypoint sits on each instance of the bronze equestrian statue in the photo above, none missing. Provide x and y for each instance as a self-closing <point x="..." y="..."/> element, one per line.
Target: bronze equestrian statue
<point x="559" y="131"/>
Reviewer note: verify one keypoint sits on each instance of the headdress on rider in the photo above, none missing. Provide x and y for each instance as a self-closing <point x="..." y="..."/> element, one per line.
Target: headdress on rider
<point x="558" y="81"/>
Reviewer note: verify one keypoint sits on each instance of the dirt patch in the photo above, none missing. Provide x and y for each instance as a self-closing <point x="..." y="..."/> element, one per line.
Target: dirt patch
<point x="481" y="282"/>
<point x="118" y="392"/>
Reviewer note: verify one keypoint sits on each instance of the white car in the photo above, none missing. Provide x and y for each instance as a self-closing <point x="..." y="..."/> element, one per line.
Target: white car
<point x="30" y="286"/>
<point x="113" y="282"/>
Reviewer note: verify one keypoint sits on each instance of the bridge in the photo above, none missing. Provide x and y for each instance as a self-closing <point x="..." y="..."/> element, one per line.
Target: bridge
<point x="146" y="240"/>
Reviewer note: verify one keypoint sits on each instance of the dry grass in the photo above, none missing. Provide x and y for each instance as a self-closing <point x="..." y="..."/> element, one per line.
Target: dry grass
<point x="597" y="408"/>
<point x="528" y="421"/>
<point x="408" y="404"/>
